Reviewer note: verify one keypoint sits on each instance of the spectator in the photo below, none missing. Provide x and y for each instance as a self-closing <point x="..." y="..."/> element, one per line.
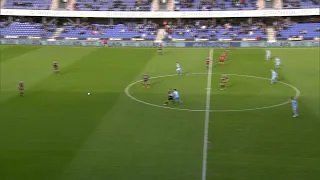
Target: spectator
<point x="304" y="32"/>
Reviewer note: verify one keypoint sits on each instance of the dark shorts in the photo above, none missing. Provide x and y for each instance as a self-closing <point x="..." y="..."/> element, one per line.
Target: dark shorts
<point x="170" y="98"/>
<point x="56" y="68"/>
<point x="145" y="80"/>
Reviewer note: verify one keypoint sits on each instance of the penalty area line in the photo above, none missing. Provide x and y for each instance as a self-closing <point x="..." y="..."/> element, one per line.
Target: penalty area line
<point x="206" y="123"/>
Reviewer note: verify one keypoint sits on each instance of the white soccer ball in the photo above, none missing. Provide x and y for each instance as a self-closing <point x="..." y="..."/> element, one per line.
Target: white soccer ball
<point x="89" y="93"/>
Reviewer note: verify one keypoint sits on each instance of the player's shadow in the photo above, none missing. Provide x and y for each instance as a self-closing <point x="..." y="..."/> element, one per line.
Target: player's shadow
<point x="165" y="52"/>
<point x="230" y="85"/>
<point x="175" y="104"/>
<point x="65" y="72"/>
<point x="281" y="78"/>
<point x="156" y="83"/>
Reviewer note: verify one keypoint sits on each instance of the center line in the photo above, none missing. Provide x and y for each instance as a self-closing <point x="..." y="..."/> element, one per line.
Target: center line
<point x="206" y="123"/>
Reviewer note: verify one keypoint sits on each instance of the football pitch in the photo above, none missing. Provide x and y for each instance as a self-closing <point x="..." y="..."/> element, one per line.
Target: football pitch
<point x="122" y="131"/>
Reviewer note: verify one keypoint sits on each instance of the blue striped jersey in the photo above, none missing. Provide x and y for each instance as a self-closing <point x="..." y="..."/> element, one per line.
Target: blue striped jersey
<point x="294" y="103"/>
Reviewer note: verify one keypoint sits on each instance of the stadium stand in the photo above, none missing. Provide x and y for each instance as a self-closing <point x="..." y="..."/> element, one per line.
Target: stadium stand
<point x="215" y="5"/>
<point x="116" y="5"/>
<point x="26" y="29"/>
<point x="307" y="31"/>
<point x="27" y="4"/>
<point x="301" y="4"/>
<point x="110" y="31"/>
<point x="227" y="31"/>
<point x="145" y="5"/>
<point x="257" y="31"/>
<point x="83" y="31"/>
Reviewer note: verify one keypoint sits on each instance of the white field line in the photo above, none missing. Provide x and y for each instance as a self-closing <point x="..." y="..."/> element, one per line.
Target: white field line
<point x="203" y="110"/>
<point x="206" y="123"/>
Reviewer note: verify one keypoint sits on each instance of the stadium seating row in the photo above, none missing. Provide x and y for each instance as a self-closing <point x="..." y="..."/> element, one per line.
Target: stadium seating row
<point x="116" y="5"/>
<point x="214" y="5"/>
<point x="306" y="30"/>
<point x="145" y="5"/>
<point x="220" y="32"/>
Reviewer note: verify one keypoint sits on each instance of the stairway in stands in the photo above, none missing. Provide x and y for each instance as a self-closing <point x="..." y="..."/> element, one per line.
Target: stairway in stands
<point x="277" y="4"/>
<point x="155" y="5"/>
<point x="170" y="6"/>
<point x="57" y="33"/>
<point x="2" y="3"/>
<point x="271" y="34"/>
<point x="260" y="4"/>
<point x="54" y="5"/>
<point x="70" y="4"/>
<point x="160" y="35"/>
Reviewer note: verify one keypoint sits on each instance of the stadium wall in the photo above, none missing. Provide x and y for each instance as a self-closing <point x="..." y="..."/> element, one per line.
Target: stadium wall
<point x="165" y="44"/>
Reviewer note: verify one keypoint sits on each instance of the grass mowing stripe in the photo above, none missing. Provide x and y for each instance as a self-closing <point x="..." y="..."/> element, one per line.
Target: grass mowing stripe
<point x="8" y="53"/>
<point x="206" y="124"/>
<point x="84" y="161"/>
<point x="35" y="67"/>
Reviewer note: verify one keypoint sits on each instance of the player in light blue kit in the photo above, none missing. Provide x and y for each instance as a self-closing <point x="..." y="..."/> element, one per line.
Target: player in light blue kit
<point x="176" y="96"/>
<point x="179" y="70"/>
<point x="294" y="104"/>
<point x="278" y="62"/>
<point x="268" y="55"/>
<point x="274" y="76"/>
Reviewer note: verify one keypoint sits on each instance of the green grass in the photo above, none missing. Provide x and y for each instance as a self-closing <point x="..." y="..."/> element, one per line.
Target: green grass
<point x="58" y="132"/>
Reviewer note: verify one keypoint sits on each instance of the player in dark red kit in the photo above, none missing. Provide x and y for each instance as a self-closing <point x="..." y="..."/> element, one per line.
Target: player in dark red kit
<point x="224" y="79"/>
<point x="55" y="66"/>
<point x="21" y="88"/>
<point x="208" y="61"/>
<point x="160" y="49"/>
<point x="105" y="43"/>
<point x="146" y="80"/>
<point x="223" y="57"/>
<point x="225" y="54"/>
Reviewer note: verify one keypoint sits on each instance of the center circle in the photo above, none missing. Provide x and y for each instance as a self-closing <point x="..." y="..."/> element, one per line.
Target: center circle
<point x="129" y="94"/>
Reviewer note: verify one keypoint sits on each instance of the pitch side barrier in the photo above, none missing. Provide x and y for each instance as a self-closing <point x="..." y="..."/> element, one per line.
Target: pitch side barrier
<point x="165" y="44"/>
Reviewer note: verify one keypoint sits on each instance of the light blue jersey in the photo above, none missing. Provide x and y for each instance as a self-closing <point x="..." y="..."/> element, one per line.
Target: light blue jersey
<point x="268" y="55"/>
<point x="278" y="61"/>
<point x="274" y="76"/>
<point x="294" y="105"/>
<point x="179" y="69"/>
<point x="176" y="96"/>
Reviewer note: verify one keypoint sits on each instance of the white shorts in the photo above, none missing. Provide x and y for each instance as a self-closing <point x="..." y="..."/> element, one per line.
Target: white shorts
<point x="178" y="69"/>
